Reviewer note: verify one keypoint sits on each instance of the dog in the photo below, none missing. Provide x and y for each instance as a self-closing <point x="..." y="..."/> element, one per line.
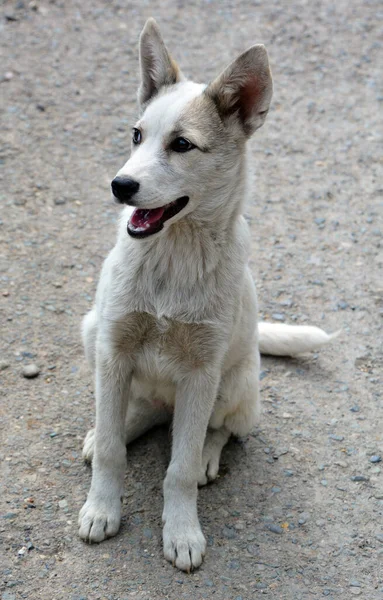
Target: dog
<point x="173" y="332"/>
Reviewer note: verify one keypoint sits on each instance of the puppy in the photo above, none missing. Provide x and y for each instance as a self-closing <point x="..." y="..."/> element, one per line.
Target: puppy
<point x="174" y="331"/>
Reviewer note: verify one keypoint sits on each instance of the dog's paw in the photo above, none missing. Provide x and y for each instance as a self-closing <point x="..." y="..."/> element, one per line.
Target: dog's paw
<point x="88" y="446"/>
<point x="184" y="544"/>
<point x="99" y="519"/>
<point x="210" y="461"/>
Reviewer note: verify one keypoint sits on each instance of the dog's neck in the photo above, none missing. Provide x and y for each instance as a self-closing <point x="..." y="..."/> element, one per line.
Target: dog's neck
<point x="190" y="249"/>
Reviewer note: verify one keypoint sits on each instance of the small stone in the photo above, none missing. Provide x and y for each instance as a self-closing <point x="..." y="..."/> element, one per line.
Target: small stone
<point x="355" y="408"/>
<point x="260" y="586"/>
<point x="280" y="452"/>
<point x="148" y="533"/>
<point x="278" y="317"/>
<point x="379" y="537"/>
<point x="59" y="201"/>
<point x="359" y="478"/>
<point x="228" y="533"/>
<point x="274" y="528"/>
<point x="324" y="482"/>
<point x="355" y="583"/>
<point x="10" y="516"/>
<point x="320" y="522"/>
<point x="342" y="305"/>
<point x="303" y="518"/>
<point x="337" y="438"/>
<point x="3" y="365"/>
<point x="288" y="473"/>
<point x="320" y="221"/>
<point x="8" y="596"/>
<point x="379" y="495"/>
<point x="63" y="504"/>
<point x="22" y="551"/>
<point x="356" y="591"/>
<point x="375" y="458"/>
<point x="31" y="371"/>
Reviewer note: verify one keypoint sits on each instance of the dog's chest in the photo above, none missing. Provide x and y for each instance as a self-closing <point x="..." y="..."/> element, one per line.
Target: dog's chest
<point x="164" y="349"/>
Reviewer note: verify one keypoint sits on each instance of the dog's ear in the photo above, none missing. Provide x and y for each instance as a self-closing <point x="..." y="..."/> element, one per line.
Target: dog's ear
<point x="157" y="66"/>
<point x="244" y="89"/>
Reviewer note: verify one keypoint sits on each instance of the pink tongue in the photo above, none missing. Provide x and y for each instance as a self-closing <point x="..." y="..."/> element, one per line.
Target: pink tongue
<point x="141" y="217"/>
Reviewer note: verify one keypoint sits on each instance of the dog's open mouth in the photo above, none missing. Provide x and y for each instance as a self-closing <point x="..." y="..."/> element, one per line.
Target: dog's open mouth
<point x="146" y="221"/>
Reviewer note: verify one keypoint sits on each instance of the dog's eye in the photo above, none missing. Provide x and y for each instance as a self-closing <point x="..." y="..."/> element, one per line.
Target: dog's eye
<point x="181" y="144"/>
<point x="136" y="137"/>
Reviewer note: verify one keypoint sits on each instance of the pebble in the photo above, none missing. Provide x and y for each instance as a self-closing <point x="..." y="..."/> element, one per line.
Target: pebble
<point x="319" y="221"/>
<point x="288" y="473"/>
<point x="280" y="452"/>
<point x="63" y="504"/>
<point x="379" y="537"/>
<point x="355" y="408"/>
<point x="379" y="495"/>
<point x="303" y="518"/>
<point x="228" y="533"/>
<point x="274" y="528"/>
<point x="337" y="438"/>
<point x="3" y="365"/>
<point x="355" y="583"/>
<point x="324" y="482"/>
<point x="278" y="317"/>
<point x="375" y="458"/>
<point x="30" y="371"/>
<point x="356" y="591"/>
<point x="359" y="478"/>
<point x="342" y="305"/>
<point x="59" y="201"/>
<point x="8" y="596"/>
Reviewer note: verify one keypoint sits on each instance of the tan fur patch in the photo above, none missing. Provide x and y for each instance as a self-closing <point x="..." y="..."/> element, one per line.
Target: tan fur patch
<point x="191" y="346"/>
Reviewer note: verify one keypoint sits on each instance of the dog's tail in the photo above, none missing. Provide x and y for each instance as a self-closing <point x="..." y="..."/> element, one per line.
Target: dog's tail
<point x="289" y="340"/>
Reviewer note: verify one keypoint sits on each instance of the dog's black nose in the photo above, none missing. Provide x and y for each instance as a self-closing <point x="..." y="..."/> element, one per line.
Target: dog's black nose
<point x="124" y="188"/>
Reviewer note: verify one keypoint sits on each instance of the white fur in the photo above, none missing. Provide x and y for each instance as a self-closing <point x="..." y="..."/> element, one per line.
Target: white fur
<point x="289" y="340"/>
<point x="174" y="326"/>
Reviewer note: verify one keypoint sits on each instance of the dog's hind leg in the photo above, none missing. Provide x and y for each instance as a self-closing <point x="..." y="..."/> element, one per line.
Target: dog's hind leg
<point x="214" y="443"/>
<point x="89" y="334"/>
<point x="141" y="416"/>
<point x="238" y="404"/>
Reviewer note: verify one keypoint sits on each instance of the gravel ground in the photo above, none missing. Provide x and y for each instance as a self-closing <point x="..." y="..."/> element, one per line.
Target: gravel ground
<point x="297" y="510"/>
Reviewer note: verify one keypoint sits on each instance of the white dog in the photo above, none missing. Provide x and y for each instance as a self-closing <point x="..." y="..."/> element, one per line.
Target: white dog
<point x="174" y="328"/>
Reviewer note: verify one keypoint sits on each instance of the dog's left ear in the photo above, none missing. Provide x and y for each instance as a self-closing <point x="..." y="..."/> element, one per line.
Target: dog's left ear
<point x="157" y="66"/>
<point x="244" y="89"/>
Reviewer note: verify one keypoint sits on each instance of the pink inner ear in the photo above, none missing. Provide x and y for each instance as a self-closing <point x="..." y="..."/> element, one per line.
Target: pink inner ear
<point x="248" y="98"/>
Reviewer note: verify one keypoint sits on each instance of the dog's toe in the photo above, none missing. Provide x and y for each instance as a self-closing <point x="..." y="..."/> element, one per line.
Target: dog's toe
<point x="184" y="546"/>
<point x="99" y="520"/>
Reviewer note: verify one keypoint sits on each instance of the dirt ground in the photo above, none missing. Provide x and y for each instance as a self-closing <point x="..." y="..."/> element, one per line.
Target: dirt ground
<point x="297" y="512"/>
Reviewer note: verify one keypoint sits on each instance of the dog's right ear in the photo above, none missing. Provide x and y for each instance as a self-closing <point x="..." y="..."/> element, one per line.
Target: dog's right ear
<point x="157" y="66"/>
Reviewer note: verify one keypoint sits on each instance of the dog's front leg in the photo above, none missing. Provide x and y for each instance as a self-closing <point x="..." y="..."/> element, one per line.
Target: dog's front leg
<point x="101" y="514"/>
<point x="184" y="543"/>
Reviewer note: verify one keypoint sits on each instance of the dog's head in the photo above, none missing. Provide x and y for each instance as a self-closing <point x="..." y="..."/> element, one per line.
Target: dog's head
<point x="188" y="145"/>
